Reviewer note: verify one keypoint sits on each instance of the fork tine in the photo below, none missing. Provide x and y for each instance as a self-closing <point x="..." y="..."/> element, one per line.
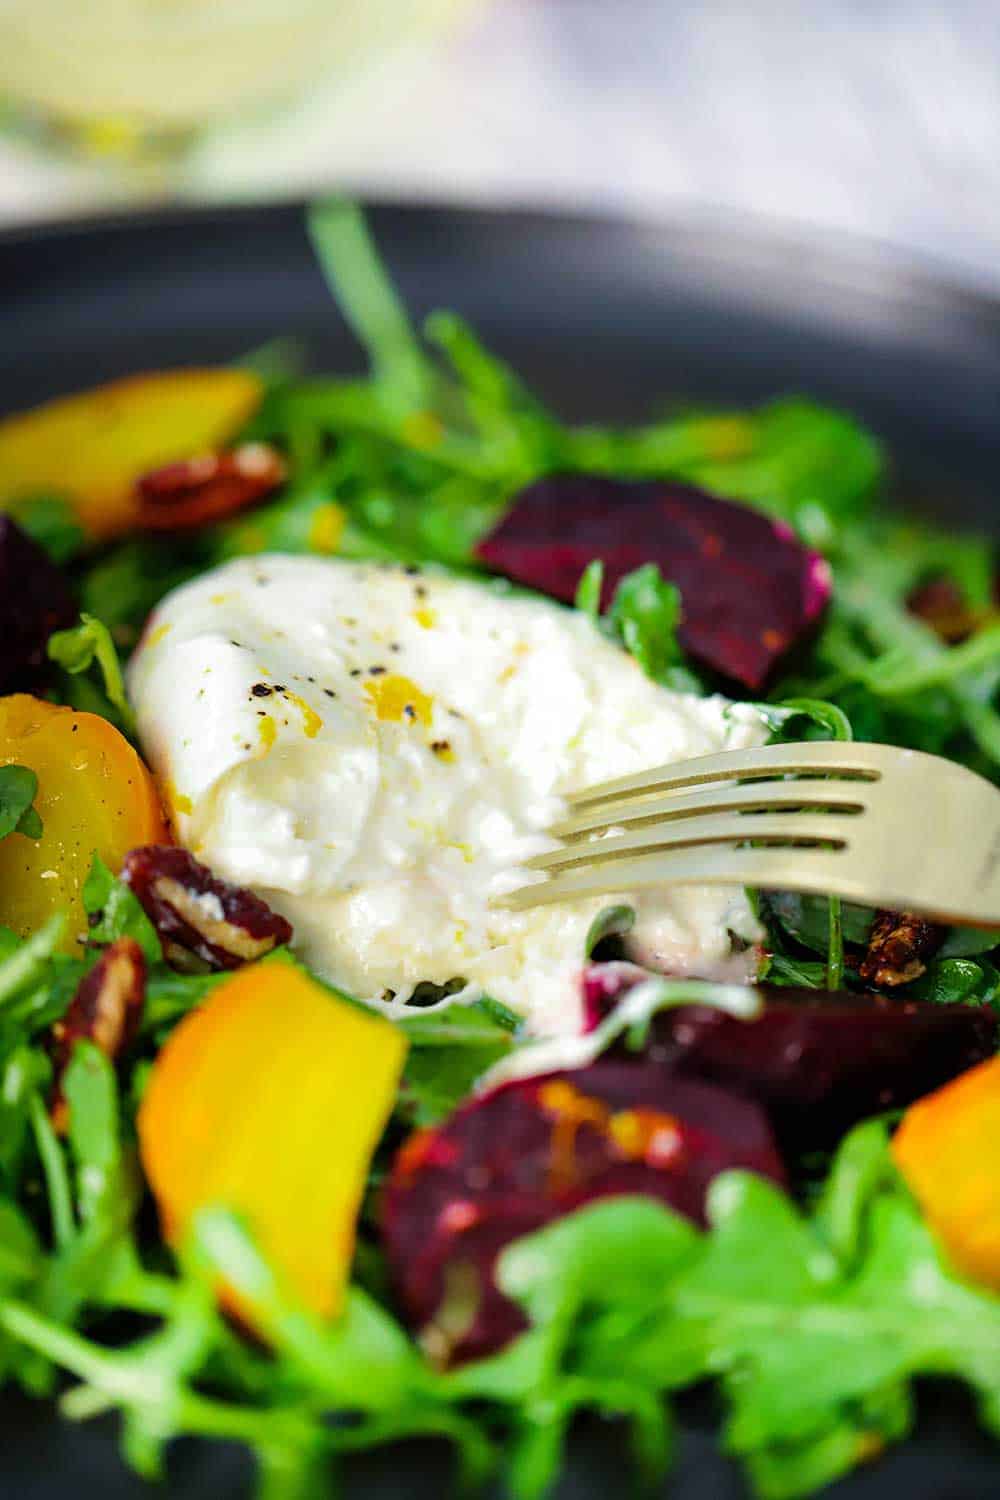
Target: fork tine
<point x="713" y="828"/>
<point x="831" y="757"/>
<point x="849" y="796"/>
<point x="815" y="870"/>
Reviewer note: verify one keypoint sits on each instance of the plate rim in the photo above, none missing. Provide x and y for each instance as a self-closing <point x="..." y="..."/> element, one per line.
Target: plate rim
<point x="724" y="242"/>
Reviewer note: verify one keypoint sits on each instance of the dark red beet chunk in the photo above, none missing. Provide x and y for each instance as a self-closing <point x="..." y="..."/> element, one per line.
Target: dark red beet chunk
<point x="533" y="1150"/>
<point x="820" y="1064"/>
<point x="34" y="600"/>
<point x="198" y="916"/>
<point x="749" y="590"/>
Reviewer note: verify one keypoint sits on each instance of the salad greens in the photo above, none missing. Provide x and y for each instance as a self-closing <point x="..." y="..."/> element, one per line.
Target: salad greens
<point x="813" y="1323"/>
<point x="18" y="790"/>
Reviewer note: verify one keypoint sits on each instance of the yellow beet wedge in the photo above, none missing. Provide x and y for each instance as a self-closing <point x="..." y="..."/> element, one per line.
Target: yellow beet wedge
<point x="948" y="1150"/>
<point x="93" y="447"/>
<point x="95" y="796"/>
<point x="269" y="1101"/>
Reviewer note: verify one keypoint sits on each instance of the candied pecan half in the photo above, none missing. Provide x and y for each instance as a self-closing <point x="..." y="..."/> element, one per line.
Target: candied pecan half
<point x="106" y="1010"/>
<point x="942" y="605"/>
<point x="196" y="915"/>
<point x="34" y="600"/>
<point x="208" y="487"/>
<point x="898" y="946"/>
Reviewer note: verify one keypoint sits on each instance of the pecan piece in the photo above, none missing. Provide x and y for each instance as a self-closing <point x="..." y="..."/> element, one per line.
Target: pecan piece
<point x="898" y="946"/>
<point x="106" y="1010"/>
<point x="207" y="488"/>
<point x="197" y="916"/>
<point x="942" y="605"/>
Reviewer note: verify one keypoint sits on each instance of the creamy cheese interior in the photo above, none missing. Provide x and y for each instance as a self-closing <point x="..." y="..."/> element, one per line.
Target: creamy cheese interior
<point x="372" y="749"/>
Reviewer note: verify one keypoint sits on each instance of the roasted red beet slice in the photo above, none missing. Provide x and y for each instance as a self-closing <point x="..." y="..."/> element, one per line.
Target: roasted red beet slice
<point x="749" y="590"/>
<point x="819" y="1064"/>
<point x="533" y="1150"/>
<point x="198" y="916"/>
<point x="34" y="600"/>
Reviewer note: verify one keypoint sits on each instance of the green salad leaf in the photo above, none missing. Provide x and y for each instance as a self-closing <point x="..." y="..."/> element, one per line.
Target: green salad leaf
<point x="451" y="1046"/>
<point x="114" y="912"/>
<point x="18" y="790"/>
<point x="87" y="645"/>
<point x="52" y="523"/>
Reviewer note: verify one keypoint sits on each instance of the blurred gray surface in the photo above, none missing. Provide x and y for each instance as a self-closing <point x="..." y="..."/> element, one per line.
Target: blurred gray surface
<point x="878" y="117"/>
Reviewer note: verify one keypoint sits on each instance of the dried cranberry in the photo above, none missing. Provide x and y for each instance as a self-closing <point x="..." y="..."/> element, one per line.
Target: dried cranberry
<point x="207" y="488"/>
<point x="197" y="916"/>
<point x="749" y="590"/>
<point x="106" y="1010"/>
<point x="35" y="599"/>
<point x="533" y="1150"/>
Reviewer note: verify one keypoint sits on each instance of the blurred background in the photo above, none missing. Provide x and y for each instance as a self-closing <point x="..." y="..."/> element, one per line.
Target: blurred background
<point x="877" y="117"/>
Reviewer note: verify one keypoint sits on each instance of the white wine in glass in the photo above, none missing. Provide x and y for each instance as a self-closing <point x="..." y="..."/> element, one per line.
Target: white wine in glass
<point x="143" y="78"/>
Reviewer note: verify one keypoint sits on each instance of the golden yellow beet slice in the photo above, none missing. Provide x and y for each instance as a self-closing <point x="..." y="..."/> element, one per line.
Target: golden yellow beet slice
<point x="948" y="1150"/>
<point x="95" y="796"/>
<point x="269" y="1101"/>
<point x="94" y="446"/>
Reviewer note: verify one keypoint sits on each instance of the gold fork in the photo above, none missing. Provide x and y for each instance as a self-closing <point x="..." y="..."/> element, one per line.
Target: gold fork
<point x="872" y="823"/>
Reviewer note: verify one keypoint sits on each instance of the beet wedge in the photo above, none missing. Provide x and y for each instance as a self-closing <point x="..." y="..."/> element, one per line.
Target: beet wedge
<point x="817" y="1063"/>
<point x="35" y="599"/>
<point x="749" y="590"/>
<point x="530" y="1151"/>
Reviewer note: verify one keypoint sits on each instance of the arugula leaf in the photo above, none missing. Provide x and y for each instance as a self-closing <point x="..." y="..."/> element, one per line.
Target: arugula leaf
<point x="611" y="921"/>
<point x="588" y="590"/>
<point x="367" y="298"/>
<point x="25" y="1074"/>
<point x="832" y="723"/>
<point x="958" y="981"/>
<point x="88" y="644"/>
<point x="52" y="523"/>
<point x="815" y="1354"/>
<point x="807" y="919"/>
<point x="123" y="584"/>
<point x="967" y="942"/>
<point x="451" y="1047"/>
<point x="644" y="614"/>
<point x="28" y="964"/>
<point x="18" y="790"/>
<point x="20" y="1252"/>
<point x="114" y="911"/>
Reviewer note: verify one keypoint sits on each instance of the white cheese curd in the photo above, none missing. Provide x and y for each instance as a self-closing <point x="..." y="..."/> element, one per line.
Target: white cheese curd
<point x="374" y="749"/>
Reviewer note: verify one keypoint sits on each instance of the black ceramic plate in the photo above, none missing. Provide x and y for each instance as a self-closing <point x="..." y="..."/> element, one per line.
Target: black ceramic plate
<point x="607" y="319"/>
